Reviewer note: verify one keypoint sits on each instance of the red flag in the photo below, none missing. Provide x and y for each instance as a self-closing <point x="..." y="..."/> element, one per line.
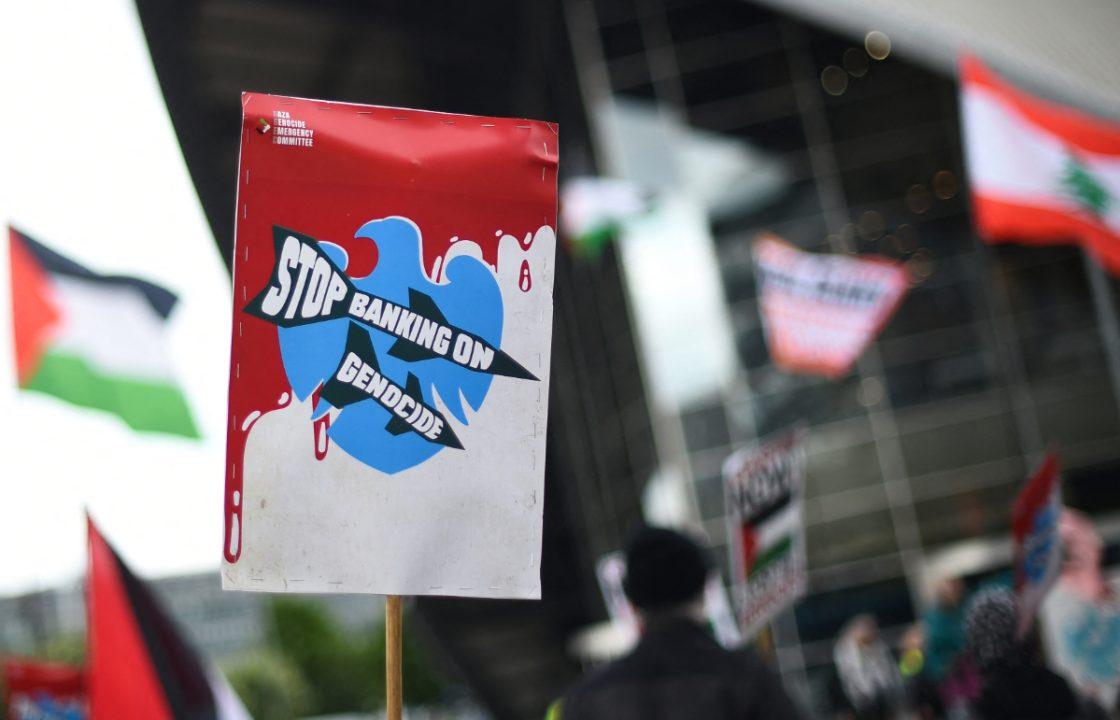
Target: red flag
<point x="43" y="691"/>
<point x="139" y="664"/>
<point x="1041" y="173"/>
<point x="1037" y="544"/>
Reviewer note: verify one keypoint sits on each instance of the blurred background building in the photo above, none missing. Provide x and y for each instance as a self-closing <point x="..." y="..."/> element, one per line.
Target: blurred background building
<point x="833" y="124"/>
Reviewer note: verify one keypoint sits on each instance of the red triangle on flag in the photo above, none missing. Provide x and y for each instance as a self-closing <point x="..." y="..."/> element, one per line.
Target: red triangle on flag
<point x="139" y="664"/>
<point x="35" y="312"/>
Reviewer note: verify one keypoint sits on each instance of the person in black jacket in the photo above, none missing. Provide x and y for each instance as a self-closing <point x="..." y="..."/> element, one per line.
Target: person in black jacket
<point x="678" y="670"/>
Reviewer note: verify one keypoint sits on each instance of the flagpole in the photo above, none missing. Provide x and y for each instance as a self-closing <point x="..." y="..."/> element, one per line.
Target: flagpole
<point x="393" y="622"/>
<point x="1107" y="321"/>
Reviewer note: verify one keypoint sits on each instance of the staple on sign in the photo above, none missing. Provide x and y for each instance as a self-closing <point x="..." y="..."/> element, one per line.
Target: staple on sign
<point x="237" y="369"/>
<point x="240" y="331"/>
<point x="365" y="112"/>
<point x="487" y="124"/>
<point x="247" y="175"/>
<point x="542" y="174"/>
<point x="244" y="211"/>
<point x="524" y="127"/>
<point x="246" y="253"/>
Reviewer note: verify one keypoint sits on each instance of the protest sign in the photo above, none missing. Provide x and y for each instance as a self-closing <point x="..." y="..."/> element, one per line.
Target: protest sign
<point x="819" y="312"/>
<point x="38" y="690"/>
<point x="1036" y="541"/>
<point x="1083" y="642"/>
<point x="389" y="374"/>
<point x="764" y="492"/>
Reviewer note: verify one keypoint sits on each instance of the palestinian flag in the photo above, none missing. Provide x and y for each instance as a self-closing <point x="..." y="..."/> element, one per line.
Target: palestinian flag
<point x="593" y="210"/>
<point x="1041" y="173"/>
<point x="139" y="664"/>
<point x="94" y="340"/>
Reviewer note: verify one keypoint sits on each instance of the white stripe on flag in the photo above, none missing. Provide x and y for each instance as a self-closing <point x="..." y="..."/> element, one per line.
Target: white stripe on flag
<point x="113" y="328"/>
<point x="1013" y="160"/>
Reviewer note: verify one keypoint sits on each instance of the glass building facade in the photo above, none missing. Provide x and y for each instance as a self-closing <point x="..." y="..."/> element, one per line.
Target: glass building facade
<point x="995" y="355"/>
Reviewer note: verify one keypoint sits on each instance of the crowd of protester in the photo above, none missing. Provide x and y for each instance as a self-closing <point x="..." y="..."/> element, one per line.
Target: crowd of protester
<point x="968" y="658"/>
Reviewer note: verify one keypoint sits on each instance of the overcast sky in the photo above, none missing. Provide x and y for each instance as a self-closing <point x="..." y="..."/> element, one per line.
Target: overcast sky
<point x="89" y="165"/>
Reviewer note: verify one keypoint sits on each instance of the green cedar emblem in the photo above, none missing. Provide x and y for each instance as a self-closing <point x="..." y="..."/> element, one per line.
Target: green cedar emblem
<point x="1080" y="184"/>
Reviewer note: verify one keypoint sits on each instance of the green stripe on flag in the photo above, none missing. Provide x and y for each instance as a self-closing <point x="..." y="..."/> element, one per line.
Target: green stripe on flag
<point x="144" y="405"/>
<point x="772" y="554"/>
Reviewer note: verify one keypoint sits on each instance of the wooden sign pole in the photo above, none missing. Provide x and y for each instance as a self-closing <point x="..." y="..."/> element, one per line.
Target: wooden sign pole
<point x="393" y="622"/>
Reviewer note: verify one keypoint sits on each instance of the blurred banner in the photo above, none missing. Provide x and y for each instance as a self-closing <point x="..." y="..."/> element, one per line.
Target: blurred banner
<point x="139" y="664"/>
<point x="1041" y="173"/>
<point x="764" y="494"/>
<point x="36" y="690"/>
<point x="684" y="331"/>
<point x="94" y="340"/>
<point x="392" y="329"/>
<point x="1036" y="540"/>
<point x="820" y="312"/>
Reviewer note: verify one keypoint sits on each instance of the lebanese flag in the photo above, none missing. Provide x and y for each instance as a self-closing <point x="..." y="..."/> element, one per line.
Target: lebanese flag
<point x="139" y="664"/>
<point x="94" y="340"/>
<point x="1041" y="173"/>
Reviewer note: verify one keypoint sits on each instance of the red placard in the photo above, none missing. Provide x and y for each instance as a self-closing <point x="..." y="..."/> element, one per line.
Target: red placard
<point x="38" y="690"/>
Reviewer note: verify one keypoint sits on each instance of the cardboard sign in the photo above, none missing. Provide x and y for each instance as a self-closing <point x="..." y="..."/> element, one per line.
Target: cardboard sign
<point x="1037" y="544"/>
<point x="393" y="278"/>
<point x="43" y="691"/>
<point x="820" y="312"/>
<point x="764" y="493"/>
<point x="1082" y="640"/>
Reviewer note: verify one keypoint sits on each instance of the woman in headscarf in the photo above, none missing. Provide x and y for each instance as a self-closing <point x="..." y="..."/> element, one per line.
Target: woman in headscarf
<point x="868" y="685"/>
<point x="1017" y="685"/>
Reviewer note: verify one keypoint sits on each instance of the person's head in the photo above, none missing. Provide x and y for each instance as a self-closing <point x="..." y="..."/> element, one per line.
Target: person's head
<point x="1083" y="550"/>
<point x="913" y="639"/>
<point x="862" y="631"/>
<point x="949" y="592"/>
<point x="665" y="572"/>
<point x="990" y="626"/>
<point x="1082" y="544"/>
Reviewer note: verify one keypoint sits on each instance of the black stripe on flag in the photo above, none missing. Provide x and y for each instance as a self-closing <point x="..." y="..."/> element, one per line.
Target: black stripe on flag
<point x="161" y="299"/>
<point x="185" y="683"/>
